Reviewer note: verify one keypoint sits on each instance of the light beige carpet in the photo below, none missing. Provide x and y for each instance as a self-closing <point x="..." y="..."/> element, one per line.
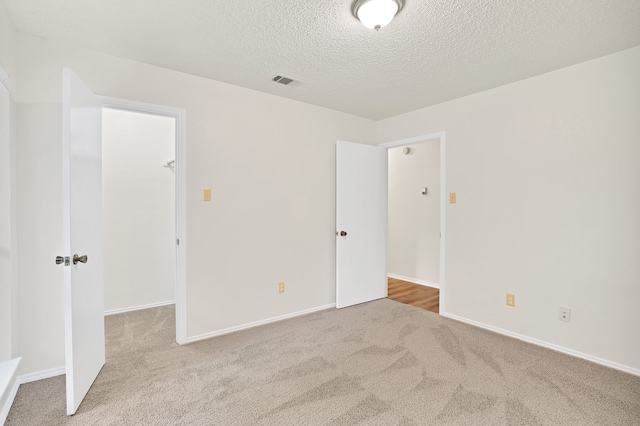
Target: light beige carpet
<point x="380" y="363"/>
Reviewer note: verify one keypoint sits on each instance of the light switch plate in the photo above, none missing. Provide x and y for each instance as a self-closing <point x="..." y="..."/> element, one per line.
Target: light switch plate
<point x="452" y="197"/>
<point x="207" y="195"/>
<point x="511" y="299"/>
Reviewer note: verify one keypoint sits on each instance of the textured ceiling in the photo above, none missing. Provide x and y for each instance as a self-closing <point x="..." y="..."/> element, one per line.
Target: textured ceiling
<point x="433" y="51"/>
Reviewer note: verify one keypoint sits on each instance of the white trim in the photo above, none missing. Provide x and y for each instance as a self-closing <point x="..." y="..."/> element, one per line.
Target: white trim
<point x="137" y="308"/>
<point x="5" y="79"/>
<point x="414" y="281"/>
<point x="180" y="115"/>
<point x="40" y="375"/>
<point x="258" y="323"/>
<point x="8" y="370"/>
<point x="601" y="361"/>
<point x="443" y="198"/>
<point x="443" y="217"/>
<point x="8" y="402"/>
<point x="143" y="107"/>
<point x="413" y="141"/>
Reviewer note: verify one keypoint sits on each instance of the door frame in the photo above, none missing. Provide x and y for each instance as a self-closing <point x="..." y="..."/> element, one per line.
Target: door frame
<point x="180" y="116"/>
<point x="440" y="136"/>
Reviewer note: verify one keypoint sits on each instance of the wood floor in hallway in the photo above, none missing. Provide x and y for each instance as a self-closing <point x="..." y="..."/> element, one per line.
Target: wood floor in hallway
<point x="414" y="294"/>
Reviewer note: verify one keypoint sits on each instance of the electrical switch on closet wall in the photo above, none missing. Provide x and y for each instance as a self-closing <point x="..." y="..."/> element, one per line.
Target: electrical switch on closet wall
<point x="207" y="195"/>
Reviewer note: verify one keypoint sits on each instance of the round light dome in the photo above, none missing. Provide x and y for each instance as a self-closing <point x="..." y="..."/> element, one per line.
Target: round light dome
<point x="375" y="14"/>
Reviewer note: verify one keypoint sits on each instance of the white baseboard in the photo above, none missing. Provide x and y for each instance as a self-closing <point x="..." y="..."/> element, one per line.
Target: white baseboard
<point x="40" y="375"/>
<point x="606" y="363"/>
<point x="257" y="323"/>
<point x="137" y="308"/>
<point x="8" y="386"/>
<point x="414" y="280"/>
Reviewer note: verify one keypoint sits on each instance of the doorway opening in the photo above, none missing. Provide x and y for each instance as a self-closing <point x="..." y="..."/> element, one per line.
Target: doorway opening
<point x="143" y="208"/>
<point x="138" y="210"/>
<point x="415" y="248"/>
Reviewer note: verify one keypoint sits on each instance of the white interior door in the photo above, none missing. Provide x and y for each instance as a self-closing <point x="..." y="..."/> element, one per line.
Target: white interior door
<point x="361" y="222"/>
<point x="82" y="193"/>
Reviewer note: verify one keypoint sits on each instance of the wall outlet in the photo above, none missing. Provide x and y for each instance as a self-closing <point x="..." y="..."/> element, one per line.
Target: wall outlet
<point x="511" y="299"/>
<point x="281" y="287"/>
<point x="564" y="314"/>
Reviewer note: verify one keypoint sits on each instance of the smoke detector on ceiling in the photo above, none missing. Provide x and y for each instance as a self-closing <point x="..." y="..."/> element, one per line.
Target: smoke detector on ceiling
<point x="285" y="80"/>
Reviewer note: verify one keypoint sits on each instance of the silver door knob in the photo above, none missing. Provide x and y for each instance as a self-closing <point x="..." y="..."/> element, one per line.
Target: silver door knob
<point x="82" y="259"/>
<point x="60" y="260"/>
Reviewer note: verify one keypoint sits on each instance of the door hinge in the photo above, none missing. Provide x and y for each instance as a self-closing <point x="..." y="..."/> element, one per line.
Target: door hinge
<point x="177" y="241"/>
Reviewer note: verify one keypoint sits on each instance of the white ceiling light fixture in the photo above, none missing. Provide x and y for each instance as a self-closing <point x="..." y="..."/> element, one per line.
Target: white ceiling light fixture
<point x="375" y="14"/>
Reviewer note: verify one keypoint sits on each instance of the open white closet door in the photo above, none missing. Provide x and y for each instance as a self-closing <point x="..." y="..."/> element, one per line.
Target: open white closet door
<point x="361" y="223"/>
<point x="82" y="215"/>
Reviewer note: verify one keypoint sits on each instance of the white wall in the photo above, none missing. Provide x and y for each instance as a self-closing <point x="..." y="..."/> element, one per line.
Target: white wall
<point x="138" y="209"/>
<point x="546" y="172"/>
<point x="414" y="219"/>
<point x="270" y="162"/>
<point x="7" y="195"/>
<point x="547" y="176"/>
<point x="41" y="288"/>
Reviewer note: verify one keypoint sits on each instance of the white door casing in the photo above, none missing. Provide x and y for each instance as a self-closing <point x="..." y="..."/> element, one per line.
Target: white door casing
<point x="82" y="226"/>
<point x="181" y="198"/>
<point x="361" y="212"/>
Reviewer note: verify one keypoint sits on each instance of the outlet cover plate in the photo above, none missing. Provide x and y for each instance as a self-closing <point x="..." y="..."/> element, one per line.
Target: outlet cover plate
<point x="564" y="314"/>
